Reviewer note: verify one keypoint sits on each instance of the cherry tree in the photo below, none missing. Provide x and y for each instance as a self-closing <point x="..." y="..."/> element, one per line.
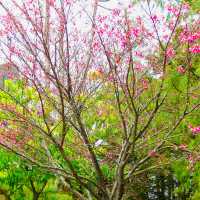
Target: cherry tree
<point x="96" y="98"/>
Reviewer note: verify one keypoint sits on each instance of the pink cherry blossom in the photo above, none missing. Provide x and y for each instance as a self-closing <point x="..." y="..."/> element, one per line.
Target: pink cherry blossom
<point x="152" y="153"/>
<point x="116" y="12"/>
<point x="195" y="49"/>
<point x="195" y="130"/>
<point x="188" y="36"/>
<point x="138" y="67"/>
<point x="3" y="124"/>
<point x="154" y="18"/>
<point x="191" y="159"/>
<point x="183" y="147"/>
<point x="10" y="75"/>
<point x="139" y="54"/>
<point x="135" y="32"/>
<point x="145" y="84"/>
<point x="51" y="2"/>
<point x="173" y="10"/>
<point x="68" y="2"/>
<point x="111" y="78"/>
<point x="170" y="52"/>
<point x="186" y="7"/>
<point x="181" y="69"/>
<point x="193" y="37"/>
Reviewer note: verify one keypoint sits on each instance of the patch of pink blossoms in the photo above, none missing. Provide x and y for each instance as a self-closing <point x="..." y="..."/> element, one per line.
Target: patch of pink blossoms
<point x="152" y="153"/>
<point x="195" y="130"/>
<point x="170" y="52"/>
<point x="183" y="147"/>
<point x="195" y="49"/>
<point x="181" y="70"/>
<point x="189" y="37"/>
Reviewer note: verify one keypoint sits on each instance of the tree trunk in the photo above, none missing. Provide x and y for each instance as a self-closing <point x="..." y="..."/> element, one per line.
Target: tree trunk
<point x="36" y="195"/>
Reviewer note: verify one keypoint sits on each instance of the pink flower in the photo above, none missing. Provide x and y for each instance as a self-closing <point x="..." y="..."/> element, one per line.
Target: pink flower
<point x="138" y="67"/>
<point x="39" y="113"/>
<point x="51" y="2"/>
<point x="145" y="84"/>
<point x="181" y="70"/>
<point x="195" y="130"/>
<point x="111" y="78"/>
<point x="101" y="31"/>
<point x="186" y="7"/>
<point x="184" y="36"/>
<point x="189" y="36"/>
<point x="154" y="18"/>
<point x="139" y="54"/>
<point x="10" y="75"/>
<point x="152" y="153"/>
<point x="116" y="12"/>
<point x="183" y="147"/>
<point x="135" y="32"/>
<point x="194" y="96"/>
<point x="170" y="52"/>
<point x="166" y="37"/>
<point x="190" y="158"/>
<point x="117" y="59"/>
<point x="172" y="9"/>
<point x="195" y="49"/>
<point x="96" y="46"/>
<point x="193" y="37"/>
<point x="68" y="2"/>
<point x="100" y="113"/>
<point x="3" y="124"/>
<point x="100" y="70"/>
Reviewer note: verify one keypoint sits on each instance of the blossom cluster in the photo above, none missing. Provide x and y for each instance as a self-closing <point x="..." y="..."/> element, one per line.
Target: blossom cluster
<point x="189" y="37"/>
<point x="181" y="70"/>
<point x="195" y="130"/>
<point x="195" y="49"/>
